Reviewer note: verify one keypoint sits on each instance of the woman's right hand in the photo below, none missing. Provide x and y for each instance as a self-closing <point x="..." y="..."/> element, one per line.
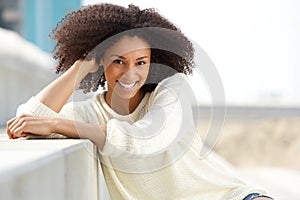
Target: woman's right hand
<point x="24" y="125"/>
<point x="56" y="94"/>
<point x="87" y="66"/>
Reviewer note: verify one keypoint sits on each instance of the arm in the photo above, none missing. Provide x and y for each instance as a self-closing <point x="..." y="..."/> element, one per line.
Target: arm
<point x="24" y="124"/>
<point x="50" y="100"/>
<point x="55" y="95"/>
<point x="163" y="122"/>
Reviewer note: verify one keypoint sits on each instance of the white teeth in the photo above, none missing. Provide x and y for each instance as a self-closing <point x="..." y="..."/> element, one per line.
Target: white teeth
<point x="127" y="86"/>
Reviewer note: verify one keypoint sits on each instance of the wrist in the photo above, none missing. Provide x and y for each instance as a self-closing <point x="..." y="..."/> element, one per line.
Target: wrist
<point x="79" y="70"/>
<point x="54" y="123"/>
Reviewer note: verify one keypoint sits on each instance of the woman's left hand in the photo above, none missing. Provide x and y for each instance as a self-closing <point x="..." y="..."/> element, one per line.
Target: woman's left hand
<point x="24" y="125"/>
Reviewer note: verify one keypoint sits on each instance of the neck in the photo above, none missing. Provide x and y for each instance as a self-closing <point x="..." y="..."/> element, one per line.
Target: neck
<point x="124" y="106"/>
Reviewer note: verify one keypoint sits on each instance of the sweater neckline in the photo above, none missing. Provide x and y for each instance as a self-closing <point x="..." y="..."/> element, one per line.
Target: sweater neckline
<point x="119" y="116"/>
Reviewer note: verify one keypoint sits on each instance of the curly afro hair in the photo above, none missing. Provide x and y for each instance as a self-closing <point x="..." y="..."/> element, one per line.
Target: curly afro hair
<point x="80" y="32"/>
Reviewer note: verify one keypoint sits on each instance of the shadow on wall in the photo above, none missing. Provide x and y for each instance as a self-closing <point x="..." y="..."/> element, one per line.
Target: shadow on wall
<point x="24" y="70"/>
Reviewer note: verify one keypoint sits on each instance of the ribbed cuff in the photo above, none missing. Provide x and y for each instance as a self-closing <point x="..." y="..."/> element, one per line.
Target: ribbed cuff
<point x="35" y="107"/>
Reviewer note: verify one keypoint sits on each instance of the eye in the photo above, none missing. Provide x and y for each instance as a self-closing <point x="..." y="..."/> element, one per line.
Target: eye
<point x="141" y="63"/>
<point x="118" y="61"/>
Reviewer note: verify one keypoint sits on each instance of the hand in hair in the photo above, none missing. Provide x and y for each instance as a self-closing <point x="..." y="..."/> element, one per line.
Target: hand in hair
<point x="89" y="66"/>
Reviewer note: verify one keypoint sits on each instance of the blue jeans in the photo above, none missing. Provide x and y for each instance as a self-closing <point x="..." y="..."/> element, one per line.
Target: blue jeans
<point x="255" y="195"/>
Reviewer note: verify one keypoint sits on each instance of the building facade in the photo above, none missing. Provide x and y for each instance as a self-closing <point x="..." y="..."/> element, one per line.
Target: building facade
<point x="35" y="19"/>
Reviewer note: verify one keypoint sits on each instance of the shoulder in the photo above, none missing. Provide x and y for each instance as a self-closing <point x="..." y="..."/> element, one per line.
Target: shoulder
<point x="82" y="107"/>
<point x="90" y="110"/>
<point x="171" y="89"/>
<point x="173" y="84"/>
<point x="175" y="79"/>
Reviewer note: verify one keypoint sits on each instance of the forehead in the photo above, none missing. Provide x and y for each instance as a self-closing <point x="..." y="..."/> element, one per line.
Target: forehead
<point x="128" y="44"/>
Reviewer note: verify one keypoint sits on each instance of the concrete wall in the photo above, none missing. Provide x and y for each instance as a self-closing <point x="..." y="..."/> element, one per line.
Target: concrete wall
<point x="16" y="87"/>
<point x="24" y="70"/>
<point x="49" y="169"/>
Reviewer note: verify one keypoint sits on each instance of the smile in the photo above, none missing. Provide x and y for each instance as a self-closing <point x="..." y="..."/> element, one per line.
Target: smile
<point x="126" y="85"/>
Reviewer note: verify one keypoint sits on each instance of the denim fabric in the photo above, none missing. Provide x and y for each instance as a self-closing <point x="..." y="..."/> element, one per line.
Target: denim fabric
<point x="255" y="195"/>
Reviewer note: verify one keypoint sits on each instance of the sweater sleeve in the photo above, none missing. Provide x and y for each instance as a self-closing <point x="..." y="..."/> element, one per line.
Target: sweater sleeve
<point x="169" y="117"/>
<point x="72" y="110"/>
<point x="36" y="108"/>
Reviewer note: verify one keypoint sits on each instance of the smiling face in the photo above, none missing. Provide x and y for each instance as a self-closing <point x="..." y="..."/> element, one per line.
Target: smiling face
<point x="126" y="67"/>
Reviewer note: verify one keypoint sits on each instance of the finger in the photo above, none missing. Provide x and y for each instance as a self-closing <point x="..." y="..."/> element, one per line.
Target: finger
<point x="15" y="120"/>
<point x="8" y="127"/>
<point x="24" y="134"/>
<point x="10" y="136"/>
<point x="21" y="130"/>
<point x="8" y="124"/>
<point x="20" y="125"/>
<point x="16" y="124"/>
<point x="26" y="125"/>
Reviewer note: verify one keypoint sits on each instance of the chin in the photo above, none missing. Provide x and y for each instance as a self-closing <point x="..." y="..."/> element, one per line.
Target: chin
<point x="127" y="96"/>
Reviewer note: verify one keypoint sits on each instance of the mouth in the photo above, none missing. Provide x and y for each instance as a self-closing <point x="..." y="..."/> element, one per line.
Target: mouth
<point x="127" y="86"/>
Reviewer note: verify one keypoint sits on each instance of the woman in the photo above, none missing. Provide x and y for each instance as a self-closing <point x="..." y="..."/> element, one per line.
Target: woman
<point x="143" y="123"/>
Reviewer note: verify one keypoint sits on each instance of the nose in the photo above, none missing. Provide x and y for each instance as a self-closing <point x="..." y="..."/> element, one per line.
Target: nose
<point x="129" y="71"/>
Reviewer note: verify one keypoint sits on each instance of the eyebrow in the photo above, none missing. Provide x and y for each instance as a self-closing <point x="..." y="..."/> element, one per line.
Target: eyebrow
<point x="122" y="57"/>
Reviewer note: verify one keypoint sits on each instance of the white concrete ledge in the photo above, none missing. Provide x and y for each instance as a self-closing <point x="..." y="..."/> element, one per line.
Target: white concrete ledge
<point x="48" y="169"/>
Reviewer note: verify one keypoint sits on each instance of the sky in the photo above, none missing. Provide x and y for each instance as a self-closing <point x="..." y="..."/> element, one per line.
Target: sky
<point x="254" y="44"/>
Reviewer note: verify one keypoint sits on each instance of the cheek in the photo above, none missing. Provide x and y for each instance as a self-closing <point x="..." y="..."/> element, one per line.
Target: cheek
<point x="111" y="73"/>
<point x="145" y="71"/>
<point x="109" y="76"/>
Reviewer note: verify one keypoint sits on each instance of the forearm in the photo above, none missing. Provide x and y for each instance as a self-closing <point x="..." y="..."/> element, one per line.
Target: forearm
<point x="72" y="129"/>
<point x="58" y="92"/>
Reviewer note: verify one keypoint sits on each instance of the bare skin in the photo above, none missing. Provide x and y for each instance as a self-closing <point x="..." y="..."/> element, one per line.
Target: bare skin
<point x="124" y="64"/>
<point x="55" y="96"/>
<point x="127" y="62"/>
<point x="126" y="67"/>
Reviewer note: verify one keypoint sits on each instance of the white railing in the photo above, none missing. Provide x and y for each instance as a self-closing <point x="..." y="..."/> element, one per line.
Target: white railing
<point x="61" y="169"/>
